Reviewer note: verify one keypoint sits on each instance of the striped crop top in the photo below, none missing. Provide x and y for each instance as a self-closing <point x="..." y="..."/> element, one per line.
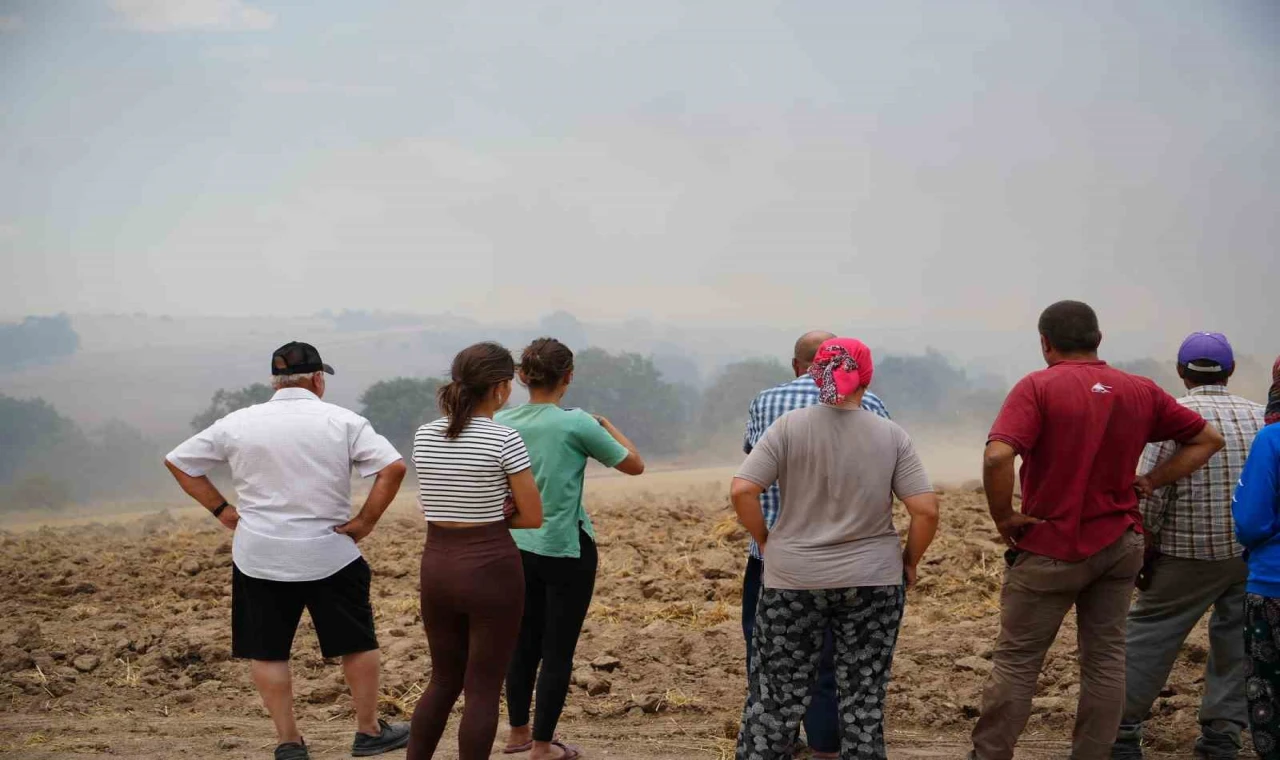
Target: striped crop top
<point x="465" y="479"/>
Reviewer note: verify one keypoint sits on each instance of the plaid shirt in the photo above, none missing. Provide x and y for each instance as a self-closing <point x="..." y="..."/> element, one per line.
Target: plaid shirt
<point x="1192" y="518"/>
<point x="767" y="407"/>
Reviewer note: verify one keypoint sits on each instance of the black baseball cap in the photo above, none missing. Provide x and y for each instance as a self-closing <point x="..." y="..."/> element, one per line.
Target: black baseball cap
<point x="297" y="359"/>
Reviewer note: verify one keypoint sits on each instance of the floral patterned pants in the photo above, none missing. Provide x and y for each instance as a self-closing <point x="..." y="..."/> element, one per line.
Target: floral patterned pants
<point x="789" y="629"/>
<point x="1262" y="672"/>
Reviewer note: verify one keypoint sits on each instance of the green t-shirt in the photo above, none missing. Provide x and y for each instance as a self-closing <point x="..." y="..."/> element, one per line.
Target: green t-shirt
<point x="559" y="442"/>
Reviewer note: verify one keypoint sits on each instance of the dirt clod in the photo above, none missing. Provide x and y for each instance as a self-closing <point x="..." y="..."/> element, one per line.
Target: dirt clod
<point x="650" y="703"/>
<point x="974" y="664"/>
<point x="607" y="663"/>
<point x="86" y="663"/>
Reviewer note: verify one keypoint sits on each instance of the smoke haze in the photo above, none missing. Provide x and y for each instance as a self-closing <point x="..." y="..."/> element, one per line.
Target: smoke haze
<point x="198" y="181"/>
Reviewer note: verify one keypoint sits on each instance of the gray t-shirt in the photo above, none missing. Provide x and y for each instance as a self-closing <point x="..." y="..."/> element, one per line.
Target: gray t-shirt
<point x="838" y="470"/>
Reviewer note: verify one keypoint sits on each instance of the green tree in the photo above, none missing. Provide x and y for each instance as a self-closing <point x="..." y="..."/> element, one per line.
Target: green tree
<point x="630" y="391"/>
<point x="121" y="462"/>
<point x="32" y="429"/>
<point x="924" y="388"/>
<point x="726" y="401"/>
<point x="35" y="442"/>
<point x="397" y="408"/>
<point x="37" y="339"/>
<point x="225" y="402"/>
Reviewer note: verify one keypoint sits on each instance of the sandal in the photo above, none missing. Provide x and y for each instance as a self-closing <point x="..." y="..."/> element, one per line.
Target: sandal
<point x="518" y="749"/>
<point x="570" y="752"/>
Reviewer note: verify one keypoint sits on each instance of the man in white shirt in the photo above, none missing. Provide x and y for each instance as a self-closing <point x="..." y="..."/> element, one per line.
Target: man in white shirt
<point x="294" y="543"/>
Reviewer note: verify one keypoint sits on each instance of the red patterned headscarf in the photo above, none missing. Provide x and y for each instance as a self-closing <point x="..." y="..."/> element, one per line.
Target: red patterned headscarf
<point x="1273" y="398"/>
<point x="840" y="368"/>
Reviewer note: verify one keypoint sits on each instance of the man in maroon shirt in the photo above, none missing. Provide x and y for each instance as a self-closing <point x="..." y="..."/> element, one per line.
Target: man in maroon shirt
<point x="1080" y="427"/>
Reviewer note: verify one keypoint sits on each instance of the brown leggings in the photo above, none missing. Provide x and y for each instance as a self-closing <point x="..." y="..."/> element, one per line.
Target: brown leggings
<point x="472" y="601"/>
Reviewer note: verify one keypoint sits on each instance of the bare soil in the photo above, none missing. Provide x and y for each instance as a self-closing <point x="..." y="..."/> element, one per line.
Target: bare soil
<point x="114" y="640"/>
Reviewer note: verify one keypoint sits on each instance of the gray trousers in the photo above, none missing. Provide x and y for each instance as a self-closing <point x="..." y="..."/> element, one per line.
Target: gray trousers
<point x="1181" y="591"/>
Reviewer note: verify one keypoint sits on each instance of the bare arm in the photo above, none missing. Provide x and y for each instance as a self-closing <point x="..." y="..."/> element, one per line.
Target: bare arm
<point x="633" y="464"/>
<point x="204" y="491"/>
<point x="528" y="502"/>
<point x="923" y="509"/>
<point x="384" y="490"/>
<point x="745" y="496"/>
<point x="997" y="481"/>
<point x="1191" y="456"/>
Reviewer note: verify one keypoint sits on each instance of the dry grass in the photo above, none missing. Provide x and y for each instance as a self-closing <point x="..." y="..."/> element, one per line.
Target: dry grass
<point x="676" y="699"/>
<point x="727" y="531"/>
<point x="131" y="678"/>
<point x="718" y="747"/>
<point x="403" y="701"/>
<point x="690" y="614"/>
<point x="16" y="744"/>
<point x="400" y="606"/>
<point x="604" y="613"/>
<point x="82" y="612"/>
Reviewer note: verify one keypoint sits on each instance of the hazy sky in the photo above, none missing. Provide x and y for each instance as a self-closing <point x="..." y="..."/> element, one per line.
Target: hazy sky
<point x="907" y="163"/>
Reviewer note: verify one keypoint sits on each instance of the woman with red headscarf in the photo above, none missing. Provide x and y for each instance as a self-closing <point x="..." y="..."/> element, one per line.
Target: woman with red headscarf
<point x="833" y="561"/>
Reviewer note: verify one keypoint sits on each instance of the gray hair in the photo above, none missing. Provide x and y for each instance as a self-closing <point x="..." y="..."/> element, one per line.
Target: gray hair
<point x="292" y="381"/>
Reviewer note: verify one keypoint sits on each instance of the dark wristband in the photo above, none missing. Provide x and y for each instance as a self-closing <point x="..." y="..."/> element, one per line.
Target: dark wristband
<point x="217" y="511"/>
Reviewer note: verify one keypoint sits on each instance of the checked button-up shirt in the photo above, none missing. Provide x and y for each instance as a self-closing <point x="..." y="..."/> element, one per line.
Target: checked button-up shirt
<point x="1192" y="518"/>
<point x="767" y="407"/>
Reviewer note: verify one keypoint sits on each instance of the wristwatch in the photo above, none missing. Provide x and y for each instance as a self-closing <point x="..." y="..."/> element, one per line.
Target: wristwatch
<point x="217" y="511"/>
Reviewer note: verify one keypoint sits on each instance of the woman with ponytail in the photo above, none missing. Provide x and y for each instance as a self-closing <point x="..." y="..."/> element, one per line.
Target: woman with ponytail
<point x="559" y="558"/>
<point x="475" y="483"/>
<point x="833" y="561"/>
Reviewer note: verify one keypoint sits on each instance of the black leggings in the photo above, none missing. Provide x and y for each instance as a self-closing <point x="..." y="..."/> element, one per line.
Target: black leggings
<point x="472" y="594"/>
<point x="557" y="594"/>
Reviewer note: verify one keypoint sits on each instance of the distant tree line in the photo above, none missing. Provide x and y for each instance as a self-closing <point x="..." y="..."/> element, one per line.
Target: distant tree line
<point x="48" y="462"/>
<point x="225" y="402"/>
<point x="35" y="340"/>
<point x="668" y="418"/>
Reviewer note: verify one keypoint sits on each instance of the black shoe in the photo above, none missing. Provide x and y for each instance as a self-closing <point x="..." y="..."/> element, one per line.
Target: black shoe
<point x="393" y="736"/>
<point x="293" y="751"/>
<point x="1216" y="745"/>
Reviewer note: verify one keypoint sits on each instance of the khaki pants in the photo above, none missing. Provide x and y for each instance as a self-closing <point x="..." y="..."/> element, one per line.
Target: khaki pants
<point x="1038" y="591"/>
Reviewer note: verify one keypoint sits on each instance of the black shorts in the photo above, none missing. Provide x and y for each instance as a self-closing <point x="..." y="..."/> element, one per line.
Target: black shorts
<point x="265" y="614"/>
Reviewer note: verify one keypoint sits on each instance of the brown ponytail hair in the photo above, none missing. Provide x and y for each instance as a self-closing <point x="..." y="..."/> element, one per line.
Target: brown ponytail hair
<point x="476" y="371"/>
<point x="545" y="364"/>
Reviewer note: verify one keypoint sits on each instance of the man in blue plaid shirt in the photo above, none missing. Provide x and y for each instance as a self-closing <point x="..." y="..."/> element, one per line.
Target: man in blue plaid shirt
<point x="821" y="722"/>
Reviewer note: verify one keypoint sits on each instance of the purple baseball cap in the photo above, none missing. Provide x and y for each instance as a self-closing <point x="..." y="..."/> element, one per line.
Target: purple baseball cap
<point x="1208" y="352"/>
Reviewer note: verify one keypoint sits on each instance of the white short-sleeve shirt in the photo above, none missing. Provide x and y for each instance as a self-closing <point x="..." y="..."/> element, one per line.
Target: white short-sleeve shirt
<point x="291" y="461"/>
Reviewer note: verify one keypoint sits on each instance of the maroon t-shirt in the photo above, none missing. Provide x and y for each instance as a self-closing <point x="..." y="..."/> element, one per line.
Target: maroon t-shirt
<point x="1080" y="427"/>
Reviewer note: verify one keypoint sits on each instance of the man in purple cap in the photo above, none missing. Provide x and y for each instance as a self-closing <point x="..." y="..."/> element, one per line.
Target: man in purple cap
<point x="1194" y="564"/>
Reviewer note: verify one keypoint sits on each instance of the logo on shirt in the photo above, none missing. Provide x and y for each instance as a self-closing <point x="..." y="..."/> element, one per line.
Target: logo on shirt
<point x="1100" y="388"/>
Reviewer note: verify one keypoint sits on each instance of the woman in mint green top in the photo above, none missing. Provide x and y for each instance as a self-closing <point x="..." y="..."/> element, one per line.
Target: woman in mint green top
<point x="560" y="557"/>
